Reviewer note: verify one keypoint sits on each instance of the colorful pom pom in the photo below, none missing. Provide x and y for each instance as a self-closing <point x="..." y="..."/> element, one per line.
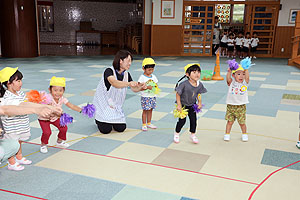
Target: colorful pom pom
<point x="34" y="96"/>
<point x="89" y="110"/>
<point x="246" y="63"/>
<point x="155" y="89"/>
<point x="46" y="98"/>
<point x="65" y="119"/>
<point x="182" y="114"/>
<point x="233" y="65"/>
<point x="197" y="109"/>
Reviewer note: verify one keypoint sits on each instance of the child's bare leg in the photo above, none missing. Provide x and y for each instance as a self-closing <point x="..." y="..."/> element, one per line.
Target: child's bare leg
<point x="19" y="153"/>
<point x="149" y="116"/>
<point x="228" y="127"/>
<point x="11" y="160"/>
<point x="144" y="116"/>
<point x="243" y="128"/>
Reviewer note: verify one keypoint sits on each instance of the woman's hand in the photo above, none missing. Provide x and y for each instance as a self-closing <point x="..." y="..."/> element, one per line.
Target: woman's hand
<point x="48" y="111"/>
<point x="133" y="84"/>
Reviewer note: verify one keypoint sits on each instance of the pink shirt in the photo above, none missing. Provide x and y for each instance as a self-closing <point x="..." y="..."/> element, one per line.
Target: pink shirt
<point x="61" y="101"/>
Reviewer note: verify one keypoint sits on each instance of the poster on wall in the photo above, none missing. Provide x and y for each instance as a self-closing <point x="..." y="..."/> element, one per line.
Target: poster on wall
<point x="167" y="9"/>
<point x="293" y="14"/>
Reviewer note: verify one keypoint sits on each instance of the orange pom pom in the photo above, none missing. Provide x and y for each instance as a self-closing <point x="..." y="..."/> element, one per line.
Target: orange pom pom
<point x="34" y="96"/>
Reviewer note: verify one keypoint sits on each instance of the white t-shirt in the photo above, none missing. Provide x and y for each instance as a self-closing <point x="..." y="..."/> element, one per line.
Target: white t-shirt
<point x="230" y="42"/>
<point x="224" y="39"/>
<point x="254" y="42"/>
<point x="144" y="79"/>
<point x="239" y="41"/>
<point x="237" y="93"/>
<point x="247" y="42"/>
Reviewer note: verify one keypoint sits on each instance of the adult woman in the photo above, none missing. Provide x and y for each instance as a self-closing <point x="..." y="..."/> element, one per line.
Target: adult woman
<point x="111" y="92"/>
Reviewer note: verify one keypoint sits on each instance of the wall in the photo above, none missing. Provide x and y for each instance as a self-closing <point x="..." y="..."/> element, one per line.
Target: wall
<point x="68" y="14"/>
<point x="284" y="13"/>
<point x="146" y="37"/>
<point x="166" y="34"/>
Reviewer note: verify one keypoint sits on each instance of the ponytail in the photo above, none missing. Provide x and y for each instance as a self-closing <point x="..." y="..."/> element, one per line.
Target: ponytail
<point x="2" y="89"/>
<point x="179" y="81"/>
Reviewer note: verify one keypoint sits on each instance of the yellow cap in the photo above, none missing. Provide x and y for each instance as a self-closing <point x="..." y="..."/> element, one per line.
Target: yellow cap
<point x="6" y="73"/>
<point x="189" y="65"/>
<point x="58" y="81"/>
<point x="148" y="61"/>
<point x="238" y="69"/>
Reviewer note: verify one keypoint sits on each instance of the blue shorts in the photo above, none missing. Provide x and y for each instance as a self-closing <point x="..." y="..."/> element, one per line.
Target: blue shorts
<point x="148" y="103"/>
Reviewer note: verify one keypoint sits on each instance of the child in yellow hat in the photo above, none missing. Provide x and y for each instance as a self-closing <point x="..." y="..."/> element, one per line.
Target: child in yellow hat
<point x="187" y="93"/>
<point x="148" y="98"/>
<point x="237" y="97"/>
<point x="56" y="89"/>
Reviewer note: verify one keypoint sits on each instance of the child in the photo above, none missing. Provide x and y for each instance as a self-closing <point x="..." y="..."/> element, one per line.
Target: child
<point x="56" y="89"/>
<point x="230" y="45"/>
<point x="186" y="96"/>
<point x="148" y="99"/>
<point x="239" y="44"/>
<point x="254" y="44"/>
<point x="298" y="143"/>
<point x="237" y="98"/>
<point x="223" y="43"/>
<point x="246" y="45"/>
<point x="16" y="127"/>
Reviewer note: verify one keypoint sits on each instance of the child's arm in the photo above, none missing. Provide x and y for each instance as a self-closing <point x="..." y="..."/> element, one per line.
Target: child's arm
<point x="179" y="106"/>
<point x="247" y="79"/>
<point x="228" y="77"/>
<point x="73" y="107"/>
<point x="199" y="97"/>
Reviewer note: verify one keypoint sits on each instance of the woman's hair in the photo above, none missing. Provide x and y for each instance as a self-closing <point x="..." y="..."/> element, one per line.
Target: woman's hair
<point x="15" y="77"/>
<point x="121" y="55"/>
<point x="188" y="71"/>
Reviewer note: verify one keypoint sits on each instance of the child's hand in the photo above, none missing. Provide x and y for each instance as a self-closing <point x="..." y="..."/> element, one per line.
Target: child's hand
<point x="229" y="70"/>
<point x="199" y="106"/>
<point x="149" y="87"/>
<point x="179" y="108"/>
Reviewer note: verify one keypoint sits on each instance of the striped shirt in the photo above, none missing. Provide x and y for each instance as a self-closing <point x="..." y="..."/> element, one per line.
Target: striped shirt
<point x="16" y="125"/>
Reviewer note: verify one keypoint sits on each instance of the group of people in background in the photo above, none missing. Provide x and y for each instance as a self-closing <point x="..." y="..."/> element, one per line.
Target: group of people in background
<point x="232" y="43"/>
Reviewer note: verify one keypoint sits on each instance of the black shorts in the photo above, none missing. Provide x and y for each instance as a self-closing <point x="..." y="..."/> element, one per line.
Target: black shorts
<point x="253" y="49"/>
<point x="245" y="49"/>
<point x="238" y="48"/>
<point x="230" y="48"/>
<point x="222" y="44"/>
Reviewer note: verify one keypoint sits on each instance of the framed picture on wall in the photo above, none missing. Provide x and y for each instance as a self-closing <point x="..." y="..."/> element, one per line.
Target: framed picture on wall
<point x="293" y="14"/>
<point x="167" y="9"/>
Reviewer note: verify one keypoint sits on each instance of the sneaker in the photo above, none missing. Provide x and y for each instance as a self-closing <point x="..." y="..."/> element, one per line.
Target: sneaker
<point x="44" y="149"/>
<point x="24" y="161"/>
<point x="151" y="126"/>
<point x="244" y="137"/>
<point x="63" y="144"/>
<point x="176" y="138"/>
<point x="194" y="139"/>
<point x="298" y="145"/>
<point x="227" y="137"/>
<point x="15" y="167"/>
<point x="144" y="128"/>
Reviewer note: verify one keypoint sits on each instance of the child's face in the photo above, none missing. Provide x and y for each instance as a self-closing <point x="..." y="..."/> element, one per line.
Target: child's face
<point x="240" y="35"/>
<point x="148" y="71"/>
<point x="15" y="85"/>
<point x="239" y="76"/>
<point x="255" y="35"/>
<point x="195" y="75"/>
<point x="57" y="92"/>
<point x="248" y="35"/>
<point x="231" y="36"/>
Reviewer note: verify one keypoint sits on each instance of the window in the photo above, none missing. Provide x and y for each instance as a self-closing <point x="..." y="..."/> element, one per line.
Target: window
<point x="238" y="13"/>
<point x="45" y="14"/>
